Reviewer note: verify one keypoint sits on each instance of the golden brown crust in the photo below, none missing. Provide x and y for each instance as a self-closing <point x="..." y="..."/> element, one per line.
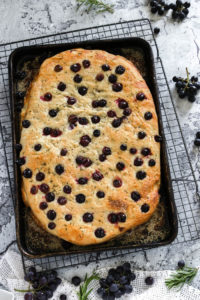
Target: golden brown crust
<point x="116" y="200"/>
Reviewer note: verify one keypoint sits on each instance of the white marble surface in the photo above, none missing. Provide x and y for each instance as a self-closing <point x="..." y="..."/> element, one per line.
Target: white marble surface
<point x="179" y="45"/>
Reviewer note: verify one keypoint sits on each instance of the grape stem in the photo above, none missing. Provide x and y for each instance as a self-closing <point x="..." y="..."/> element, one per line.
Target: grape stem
<point x="188" y="79"/>
<point x="31" y="290"/>
<point x="24" y="291"/>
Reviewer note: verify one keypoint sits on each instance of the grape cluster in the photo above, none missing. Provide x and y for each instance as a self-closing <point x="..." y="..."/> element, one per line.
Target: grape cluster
<point x="179" y="9"/>
<point x="187" y="87"/>
<point x="117" y="282"/>
<point x="43" y="284"/>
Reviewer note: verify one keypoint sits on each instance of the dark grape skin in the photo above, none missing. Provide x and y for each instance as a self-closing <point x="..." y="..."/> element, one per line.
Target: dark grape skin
<point x="126" y="266"/>
<point x="182" y="94"/>
<point x="149" y="280"/>
<point x="100" y="291"/>
<point x="154" y="9"/>
<point x="52" y="275"/>
<point x="114" y="288"/>
<point x="123" y="280"/>
<point x="49" y="293"/>
<point x="156" y="30"/>
<point x="30" y="276"/>
<point x="161" y="11"/>
<point x="40" y="295"/>
<point x="153" y="3"/>
<point x="128" y="288"/>
<point x="181" y="264"/>
<point x="43" y="281"/>
<point x="28" y="296"/>
<point x="76" y="280"/>
<point x="197" y="142"/>
<point x="63" y="297"/>
<point x="52" y="287"/>
<point x="198" y="135"/>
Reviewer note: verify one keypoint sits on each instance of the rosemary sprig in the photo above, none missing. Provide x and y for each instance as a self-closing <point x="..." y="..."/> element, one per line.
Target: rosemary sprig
<point x="99" y="5"/>
<point x="185" y="275"/>
<point x="83" y="292"/>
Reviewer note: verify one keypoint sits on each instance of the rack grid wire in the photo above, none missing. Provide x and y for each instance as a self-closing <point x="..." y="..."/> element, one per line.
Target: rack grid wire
<point x="183" y="178"/>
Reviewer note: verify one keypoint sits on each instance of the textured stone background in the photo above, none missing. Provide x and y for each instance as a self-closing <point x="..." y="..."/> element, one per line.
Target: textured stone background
<point x="179" y="45"/>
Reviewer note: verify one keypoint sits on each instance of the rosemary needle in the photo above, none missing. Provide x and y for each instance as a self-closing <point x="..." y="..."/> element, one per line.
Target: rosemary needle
<point x="99" y="5"/>
<point x="83" y="291"/>
<point x="184" y="275"/>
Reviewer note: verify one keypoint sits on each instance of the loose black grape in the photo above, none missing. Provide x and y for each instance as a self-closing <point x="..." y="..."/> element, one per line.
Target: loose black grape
<point x="76" y="280"/>
<point x="181" y="264"/>
<point x="149" y="280"/>
<point x="175" y="79"/>
<point x="156" y="30"/>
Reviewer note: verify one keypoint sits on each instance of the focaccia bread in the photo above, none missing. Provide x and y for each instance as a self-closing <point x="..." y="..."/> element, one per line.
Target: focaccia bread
<point x="90" y="155"/>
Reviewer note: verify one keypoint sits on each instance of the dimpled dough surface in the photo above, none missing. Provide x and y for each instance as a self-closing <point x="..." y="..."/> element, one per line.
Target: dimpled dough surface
<point x="76" y="188"/>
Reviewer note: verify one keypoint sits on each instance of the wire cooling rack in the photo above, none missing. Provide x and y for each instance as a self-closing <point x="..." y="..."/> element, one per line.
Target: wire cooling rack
<point x="183" y="178"/>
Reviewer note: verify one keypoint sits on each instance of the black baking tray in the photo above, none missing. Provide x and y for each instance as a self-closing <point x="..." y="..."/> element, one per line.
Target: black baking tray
<point x="33" y="241"/>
